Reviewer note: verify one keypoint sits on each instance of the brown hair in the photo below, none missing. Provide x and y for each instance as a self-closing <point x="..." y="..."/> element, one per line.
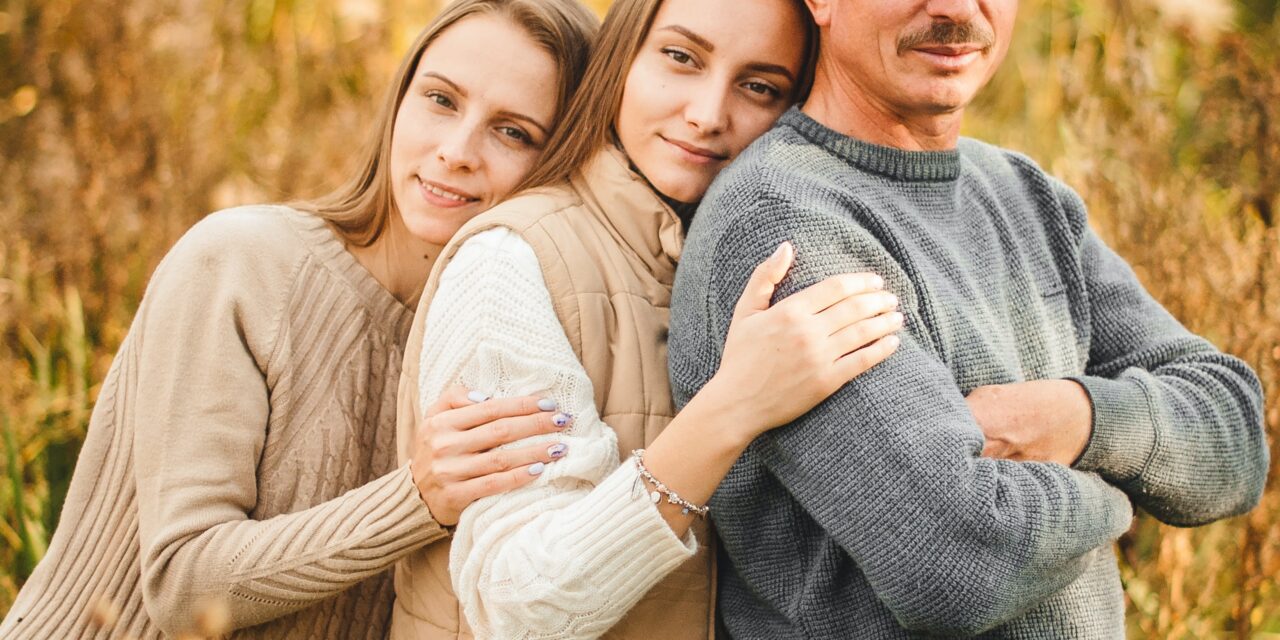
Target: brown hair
<point x="359" y="208"/>
<point x="595" y="108"/>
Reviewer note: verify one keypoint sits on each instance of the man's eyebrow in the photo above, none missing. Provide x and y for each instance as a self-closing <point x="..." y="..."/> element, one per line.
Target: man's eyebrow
<point x="506" y="114"/>
<point x="697" y="39"/>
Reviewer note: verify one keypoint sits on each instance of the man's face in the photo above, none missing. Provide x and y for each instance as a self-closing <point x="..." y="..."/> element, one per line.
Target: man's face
<point x="916" y="57"/>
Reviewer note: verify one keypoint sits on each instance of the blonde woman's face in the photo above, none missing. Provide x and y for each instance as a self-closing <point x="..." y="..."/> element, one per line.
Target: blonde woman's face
<point x="710" y="77"/>
<point x="471" y="125"/>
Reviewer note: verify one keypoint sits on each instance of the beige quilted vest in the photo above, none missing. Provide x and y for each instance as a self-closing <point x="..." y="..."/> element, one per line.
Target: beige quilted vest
<point x="608" y="248"/>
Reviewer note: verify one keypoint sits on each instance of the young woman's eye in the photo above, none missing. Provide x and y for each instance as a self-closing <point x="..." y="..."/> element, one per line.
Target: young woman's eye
<point x="517" y="134"/>
<point x="763" y="89"/>
<point x="440" y="99"/>
<point x="680" y="56"/>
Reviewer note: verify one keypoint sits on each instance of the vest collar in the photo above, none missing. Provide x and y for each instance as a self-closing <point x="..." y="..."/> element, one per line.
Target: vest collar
<point x="626" y="203"/>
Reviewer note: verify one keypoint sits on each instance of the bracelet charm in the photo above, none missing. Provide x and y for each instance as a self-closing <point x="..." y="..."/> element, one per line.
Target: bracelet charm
<point x="660" y="490"/>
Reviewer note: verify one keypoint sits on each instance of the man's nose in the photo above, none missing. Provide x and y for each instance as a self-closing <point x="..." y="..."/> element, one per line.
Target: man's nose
<point x="957" y="11"/>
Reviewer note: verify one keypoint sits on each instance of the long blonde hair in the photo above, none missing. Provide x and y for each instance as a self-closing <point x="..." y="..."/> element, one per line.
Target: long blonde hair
<point x="594" y="108"/>
<point x="359" y="208"/>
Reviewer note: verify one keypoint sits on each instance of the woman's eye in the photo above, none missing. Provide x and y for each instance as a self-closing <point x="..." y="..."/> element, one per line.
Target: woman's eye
<point x="681" y="57"/>
<point x="440" y="99"/>
<point x="763" y="89"/>
<point x="515" y="133"/>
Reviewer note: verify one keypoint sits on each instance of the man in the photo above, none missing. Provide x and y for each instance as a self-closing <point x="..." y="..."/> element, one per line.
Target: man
<point x="876" y="515"/>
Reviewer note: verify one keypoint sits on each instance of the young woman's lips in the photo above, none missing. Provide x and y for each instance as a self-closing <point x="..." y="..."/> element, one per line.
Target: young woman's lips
<point x="439" y="195"/>
<point x="695" y="154"/>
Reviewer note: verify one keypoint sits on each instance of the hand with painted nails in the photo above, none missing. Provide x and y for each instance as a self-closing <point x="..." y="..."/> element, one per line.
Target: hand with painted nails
<point x="780" y="361"/>
<point x="455" y="457"/>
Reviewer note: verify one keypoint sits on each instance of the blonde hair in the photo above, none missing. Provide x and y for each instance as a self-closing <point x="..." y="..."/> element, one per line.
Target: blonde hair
<point x="594" y="108"/>
<point x="358" y="210"/>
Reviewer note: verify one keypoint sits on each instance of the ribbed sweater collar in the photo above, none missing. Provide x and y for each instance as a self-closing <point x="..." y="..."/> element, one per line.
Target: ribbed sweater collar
<point x="897" y="164"/>
<point x="383" y="307"/>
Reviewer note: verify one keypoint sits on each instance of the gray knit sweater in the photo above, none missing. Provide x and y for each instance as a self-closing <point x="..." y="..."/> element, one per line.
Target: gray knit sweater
<point x="874" y="516"/>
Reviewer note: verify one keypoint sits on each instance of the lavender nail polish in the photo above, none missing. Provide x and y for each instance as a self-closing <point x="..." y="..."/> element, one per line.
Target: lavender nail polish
<point x="557" y="451"/>
<point x="536" y="468"/>
<point x="477" y="396"/>
<point x="547" y="404"/>
<point x="561" y="420"/>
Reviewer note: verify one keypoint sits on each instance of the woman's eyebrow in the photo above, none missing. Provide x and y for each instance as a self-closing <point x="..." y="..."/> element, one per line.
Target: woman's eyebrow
<point x="520" y="116"/>
<point x="686" y="32"/>
<point x="764" y="67"/>
<point x="439" y="76"/>
<point x="506" y="114"/>
<point x="760" y="67"/>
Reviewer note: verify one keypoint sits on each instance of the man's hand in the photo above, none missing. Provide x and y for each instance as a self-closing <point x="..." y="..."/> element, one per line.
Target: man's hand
<point x="1040" y="420"/>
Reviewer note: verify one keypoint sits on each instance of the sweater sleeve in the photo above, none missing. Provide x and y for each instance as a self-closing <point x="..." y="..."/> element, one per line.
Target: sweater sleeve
<point x="890" y="466"/>
<point x="202" y="341"/>
<point x="569" y="554"/>
<point x="1177" y="423"/>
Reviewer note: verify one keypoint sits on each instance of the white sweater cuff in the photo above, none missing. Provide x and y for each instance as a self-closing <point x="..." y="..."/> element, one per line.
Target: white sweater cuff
<point x="620" y="532"/>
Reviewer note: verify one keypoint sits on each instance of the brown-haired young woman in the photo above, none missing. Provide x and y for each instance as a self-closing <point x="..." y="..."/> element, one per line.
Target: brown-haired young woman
<point x="240" y="460"/>
<point x="563" y="291"/>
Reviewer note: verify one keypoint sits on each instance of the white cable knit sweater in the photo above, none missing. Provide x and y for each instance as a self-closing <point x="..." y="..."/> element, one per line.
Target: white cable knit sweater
<point x="568" y="555"/>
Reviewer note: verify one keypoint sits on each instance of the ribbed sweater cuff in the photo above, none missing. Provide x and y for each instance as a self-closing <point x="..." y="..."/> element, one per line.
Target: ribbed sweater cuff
<point x="617" y="529"/>
<point x="1123" y="429"/>
<point x="408" y="508"/>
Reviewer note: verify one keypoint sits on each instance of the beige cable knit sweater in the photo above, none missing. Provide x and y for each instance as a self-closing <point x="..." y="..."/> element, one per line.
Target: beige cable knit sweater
<point x="241" y="449"/>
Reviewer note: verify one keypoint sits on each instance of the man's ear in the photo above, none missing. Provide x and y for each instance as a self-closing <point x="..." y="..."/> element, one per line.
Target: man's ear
<point x="821" y="10"/>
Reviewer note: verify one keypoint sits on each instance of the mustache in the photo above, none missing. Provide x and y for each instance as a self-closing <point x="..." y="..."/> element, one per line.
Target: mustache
<point x="942" y="32"/>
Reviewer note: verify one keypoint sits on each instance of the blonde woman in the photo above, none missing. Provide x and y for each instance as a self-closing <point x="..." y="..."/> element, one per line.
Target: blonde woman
<point x="563" y="292"/>
<point x="240" y="459"/>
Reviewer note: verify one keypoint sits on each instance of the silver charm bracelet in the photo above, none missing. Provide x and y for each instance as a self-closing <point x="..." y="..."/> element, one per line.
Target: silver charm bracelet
<point x="686" y="507"/>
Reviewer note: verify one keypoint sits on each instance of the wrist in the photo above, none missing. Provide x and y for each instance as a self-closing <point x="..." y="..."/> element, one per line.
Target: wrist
<point x="1082" y="423"/>
<point x="716" y="404"/>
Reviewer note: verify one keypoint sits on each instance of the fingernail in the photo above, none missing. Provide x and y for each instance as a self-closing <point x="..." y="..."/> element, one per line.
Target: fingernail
<point x="896" y="317"/>
<point x="536" y="468"/>
<point x="877" y="282"/>
<point x="778" y="253"/>
<point x="477" y="396"/>
<point x="547" y="404"/>
<point x="557" y="450"/>
<point x="561" y="420"/>
<point x="892" y="341"/>
<point x="893" y="300"/>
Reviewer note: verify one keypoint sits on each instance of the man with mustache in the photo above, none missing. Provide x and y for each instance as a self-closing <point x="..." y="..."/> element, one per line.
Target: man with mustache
<point x="899" y="506"/>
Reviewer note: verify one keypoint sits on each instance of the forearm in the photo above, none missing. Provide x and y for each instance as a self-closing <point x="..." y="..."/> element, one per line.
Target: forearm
<point x="262" y="570"/>
<point x="1184" y="439"/>
<point x="554" y="560"/>
<point x="1177" y="423"/>
<point x="695" y="452"/>
<point x="950" y="542"/>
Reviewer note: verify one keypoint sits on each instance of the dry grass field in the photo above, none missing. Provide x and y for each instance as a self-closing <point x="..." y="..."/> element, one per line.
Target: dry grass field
<point x="122" y="123"/>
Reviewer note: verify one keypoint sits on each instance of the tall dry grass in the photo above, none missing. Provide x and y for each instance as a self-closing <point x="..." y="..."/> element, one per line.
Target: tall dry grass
<point x="121" y="124"/>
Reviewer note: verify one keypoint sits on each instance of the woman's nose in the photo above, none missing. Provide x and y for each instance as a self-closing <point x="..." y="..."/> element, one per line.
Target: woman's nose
<point x="459" y="151"/>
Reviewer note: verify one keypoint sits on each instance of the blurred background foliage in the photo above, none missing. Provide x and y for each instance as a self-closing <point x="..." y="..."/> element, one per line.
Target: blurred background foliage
<point x="121" y="124"/>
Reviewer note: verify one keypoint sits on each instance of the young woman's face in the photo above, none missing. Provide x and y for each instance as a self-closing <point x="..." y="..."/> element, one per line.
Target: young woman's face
<point x="471" y="125"/>
<point x="710" y="77"/>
